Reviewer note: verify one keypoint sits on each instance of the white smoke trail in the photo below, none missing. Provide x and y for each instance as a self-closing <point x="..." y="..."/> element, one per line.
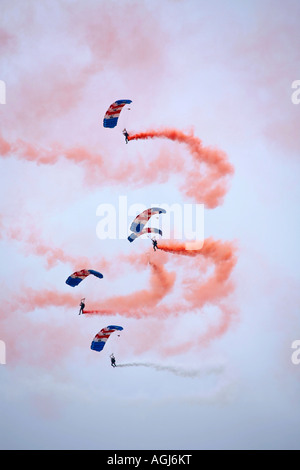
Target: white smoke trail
<point x="182" y="372"/>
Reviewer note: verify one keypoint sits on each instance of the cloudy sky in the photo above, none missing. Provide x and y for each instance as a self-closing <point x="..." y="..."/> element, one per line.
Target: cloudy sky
<point x="206" y="346"/>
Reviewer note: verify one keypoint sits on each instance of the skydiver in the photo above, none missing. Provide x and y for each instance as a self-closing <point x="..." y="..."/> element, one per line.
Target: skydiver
<point x="82" y="305"/>
<point x="125" y="133"/>
<point x="154" y="243"/>
<point x="113" y="360"/>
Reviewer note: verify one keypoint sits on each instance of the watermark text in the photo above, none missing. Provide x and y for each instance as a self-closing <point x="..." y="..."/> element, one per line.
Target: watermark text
<point x="2" y="92"/>
<point x="295" y="97"/>
<point x="296" y="354"/>
<point x="2" y="352"/>
<point x="180" y="221"/>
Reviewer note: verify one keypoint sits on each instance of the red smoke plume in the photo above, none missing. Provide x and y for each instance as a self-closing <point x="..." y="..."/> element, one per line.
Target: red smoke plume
<point x="205" y="178"/>
<point x="141" y="303"/>
<point x="208" y="184"/>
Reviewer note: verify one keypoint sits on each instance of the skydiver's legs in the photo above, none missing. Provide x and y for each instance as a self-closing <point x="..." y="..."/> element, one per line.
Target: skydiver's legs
<point x="113" y="361"/>
<point x="82" y="305"/>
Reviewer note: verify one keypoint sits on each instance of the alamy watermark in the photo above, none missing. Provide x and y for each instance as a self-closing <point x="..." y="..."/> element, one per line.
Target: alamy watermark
<point x="295" y="358"/>
<point x="295" y="97"/>
<point x="180" y="221"/>
<point x="2" y="352"/>
<point x="2" y="92"/>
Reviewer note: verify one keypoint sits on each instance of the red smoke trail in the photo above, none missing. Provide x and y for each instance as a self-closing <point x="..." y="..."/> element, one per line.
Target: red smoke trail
<point x="203" y="154"/>
<point x="31" y="299"/>
<point x="207" y="186"/>
<point x="217" y="285"/>
<point x="137" y="304"/>
<point x="31" y="243"/>
<point x="222" y="254"/>
<point x="211" y="291"/>
<point x="53" y="255"/>
<point x="141" y="303"/>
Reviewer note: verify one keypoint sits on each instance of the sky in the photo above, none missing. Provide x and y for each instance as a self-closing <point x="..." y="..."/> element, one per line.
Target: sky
<point x="206" y="350"/>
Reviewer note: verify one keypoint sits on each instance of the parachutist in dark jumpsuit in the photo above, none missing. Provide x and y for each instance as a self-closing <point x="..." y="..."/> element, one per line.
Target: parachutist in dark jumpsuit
<point x="113" y="360"/>
<point x="82" y="305"/>
<point x="125" y="133"/>
<point x="154" y="243"/>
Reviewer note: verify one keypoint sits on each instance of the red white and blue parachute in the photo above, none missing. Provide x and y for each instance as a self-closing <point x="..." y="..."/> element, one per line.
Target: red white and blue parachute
<point x="78" y="276"/>
<point x="138" y="225"/>
<point x="112" y="114"/>
<point x="100" y="339"/>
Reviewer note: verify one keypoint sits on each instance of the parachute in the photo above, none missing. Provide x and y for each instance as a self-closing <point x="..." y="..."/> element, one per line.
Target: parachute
<point x="138" y="225"/>
<point x="112" y="114"/>
<point x="79" y="276"/>
<point x="100" y="339"/>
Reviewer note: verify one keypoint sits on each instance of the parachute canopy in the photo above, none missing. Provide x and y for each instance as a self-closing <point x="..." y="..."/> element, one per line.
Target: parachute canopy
<point x="78" y="276"/>
<point x="138" y="225"/>
<point x="100" y="339"/>
<point x="112" y="114"/>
